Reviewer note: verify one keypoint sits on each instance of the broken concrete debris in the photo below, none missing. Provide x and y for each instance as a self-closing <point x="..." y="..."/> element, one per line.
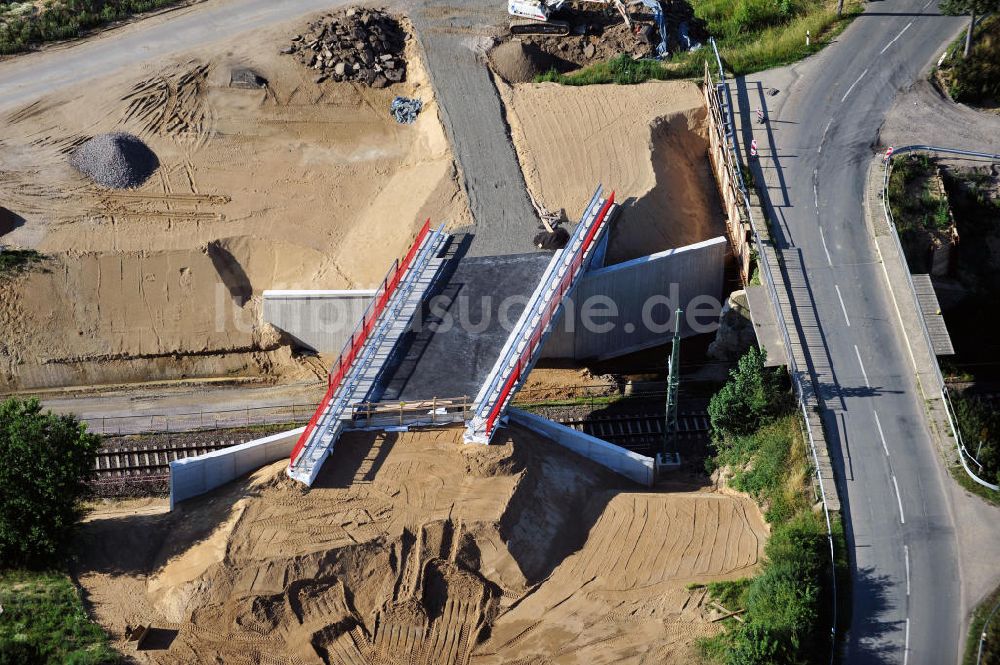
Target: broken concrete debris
<point x="405" y="109"/>
<point x="356" y="44"/>
<point x="243" y="77"/>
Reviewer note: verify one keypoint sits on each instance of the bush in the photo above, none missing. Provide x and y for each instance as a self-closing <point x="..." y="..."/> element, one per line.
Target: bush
<point x="15" y="261"/>
<point x="976" y="79"/>
<point x="758" y="435"/>
<point x="753" y="397"/>
<point x="46" y="462"/>
<point x="65" y="19"/>
<point x="980" y="427"/>
<point x="783" y="602"/>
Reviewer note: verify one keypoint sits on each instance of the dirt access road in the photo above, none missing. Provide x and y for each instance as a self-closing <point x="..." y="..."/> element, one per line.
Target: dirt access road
<point x="25" y="78"/>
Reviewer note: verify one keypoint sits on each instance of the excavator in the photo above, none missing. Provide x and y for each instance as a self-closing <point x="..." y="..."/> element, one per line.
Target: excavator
<point x="535" y="17"/>
<point x="538" y="15"/>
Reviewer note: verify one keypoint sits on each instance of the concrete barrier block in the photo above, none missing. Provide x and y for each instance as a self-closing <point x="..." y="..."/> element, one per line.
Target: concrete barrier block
<point x="633" y="466"/>
<point x="193" y="476"/>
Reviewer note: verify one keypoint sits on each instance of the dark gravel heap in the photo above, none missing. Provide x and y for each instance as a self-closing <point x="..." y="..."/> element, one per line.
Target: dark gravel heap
<point x="117" y="160"/>
<point x="356" y="44"/>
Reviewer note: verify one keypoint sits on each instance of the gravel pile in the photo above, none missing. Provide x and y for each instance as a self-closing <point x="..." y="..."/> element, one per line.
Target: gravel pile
<point x="117" y="160"/>
<point x="356" y="44"/>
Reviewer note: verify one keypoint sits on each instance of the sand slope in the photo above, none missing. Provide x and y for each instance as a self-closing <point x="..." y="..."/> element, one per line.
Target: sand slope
<point x="646" y="142"/>
<point x="412" y="548"/>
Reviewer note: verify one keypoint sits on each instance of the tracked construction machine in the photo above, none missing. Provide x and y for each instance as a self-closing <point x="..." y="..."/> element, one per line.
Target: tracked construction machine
<point x="541" y="17"/>
<point x="538" y="17"/>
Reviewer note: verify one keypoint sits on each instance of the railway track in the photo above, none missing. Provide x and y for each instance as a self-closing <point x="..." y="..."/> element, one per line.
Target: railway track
<point x="638" y="431"/>
<point x="125" y="462"/>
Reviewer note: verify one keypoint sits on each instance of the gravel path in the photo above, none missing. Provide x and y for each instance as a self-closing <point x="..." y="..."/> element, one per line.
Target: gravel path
<point x="454" y="37"/>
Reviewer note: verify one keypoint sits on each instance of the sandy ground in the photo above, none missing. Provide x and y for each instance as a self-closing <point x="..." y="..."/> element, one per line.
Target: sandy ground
<point x="412" y="548"/>
<point x="302" y="185"/>
<point x="646" y="142"/>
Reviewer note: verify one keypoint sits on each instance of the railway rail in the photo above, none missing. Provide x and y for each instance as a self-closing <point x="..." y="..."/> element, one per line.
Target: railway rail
<point x="119" y="462"/>
<point x="638" y="432"/>
<point x="136" y="463"/>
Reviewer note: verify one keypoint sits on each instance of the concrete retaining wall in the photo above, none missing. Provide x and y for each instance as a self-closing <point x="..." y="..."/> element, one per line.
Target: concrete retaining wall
<point x="193" y="476"/>
<point x="633" y="466"/>
<point x="318" y="320"/>
<point x="690" y="277"/>
<point x="725" y="177"/>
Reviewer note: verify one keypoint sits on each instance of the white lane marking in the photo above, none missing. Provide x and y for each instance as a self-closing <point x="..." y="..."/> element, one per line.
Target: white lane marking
<point x="878" y="424"/>
<point x="886" y="48"/>
<point x="816" y="188"/>
<point x="822" y="236"/>
<point x="854" y="84"/>
<point x="906" y="642"/>
<point x="822" y="140"/>
<point x="843" y="307"/>
<point x="906" y="554"/>
<point x="863" y="372"/>
<point x="899" y="500"/>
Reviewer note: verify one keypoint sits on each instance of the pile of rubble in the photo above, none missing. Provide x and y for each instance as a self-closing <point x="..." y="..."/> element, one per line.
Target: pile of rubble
<point x="356" y="44"/>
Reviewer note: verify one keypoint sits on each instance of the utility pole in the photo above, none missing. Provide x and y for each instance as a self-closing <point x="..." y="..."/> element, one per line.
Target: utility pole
<point x="673" y="383"/>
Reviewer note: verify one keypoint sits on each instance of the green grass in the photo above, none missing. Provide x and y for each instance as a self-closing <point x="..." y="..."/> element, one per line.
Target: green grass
<point x="788" y="604"/>
<point x="976" y="79"/>
<point x="44" y="621"/>
<point x="916" y="209"/>
<point x="16" y="261"/>
<point x="991" y="646"/>
<point x="21" y="28"/>
<point x="752" y="35"/>
<point x="970" y="485"/>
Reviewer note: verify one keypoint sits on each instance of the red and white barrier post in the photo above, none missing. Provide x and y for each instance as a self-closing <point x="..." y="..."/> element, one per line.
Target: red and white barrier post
<point x="888" y="155"/>
<point x="760" y="116"/>
<point x="753" y="147"/>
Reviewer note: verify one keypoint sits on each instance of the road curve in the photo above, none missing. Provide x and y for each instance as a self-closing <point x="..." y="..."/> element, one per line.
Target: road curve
<point x="815" y="151"/>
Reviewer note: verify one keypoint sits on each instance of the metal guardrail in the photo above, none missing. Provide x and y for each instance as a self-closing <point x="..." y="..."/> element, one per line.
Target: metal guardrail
<point x="314" y="450"/>
<point x="963" y="452"/>
<point x="358" y="339"/>
<point x="768" y="280"/>
<point x="982" y="635"/>
<point x="523" y="345"/>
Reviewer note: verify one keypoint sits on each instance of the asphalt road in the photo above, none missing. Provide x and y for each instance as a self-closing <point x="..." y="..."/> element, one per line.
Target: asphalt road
<point x="815" y="149"/>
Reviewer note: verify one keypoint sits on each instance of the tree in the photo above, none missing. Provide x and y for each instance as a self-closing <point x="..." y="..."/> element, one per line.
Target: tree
<point x="753" y="396"/>
<point x="45" y="462"/>
<point x="972" y="8"/>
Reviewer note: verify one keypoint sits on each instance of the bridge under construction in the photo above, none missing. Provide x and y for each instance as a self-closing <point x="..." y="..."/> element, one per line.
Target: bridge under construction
<point x="376" y="346"/>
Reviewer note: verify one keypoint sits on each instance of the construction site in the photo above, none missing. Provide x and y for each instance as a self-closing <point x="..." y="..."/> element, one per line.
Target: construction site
<point x="381" y="214"/>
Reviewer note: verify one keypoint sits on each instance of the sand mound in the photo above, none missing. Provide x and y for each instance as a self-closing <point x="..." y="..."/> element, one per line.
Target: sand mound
<point x="517" y="62"/>
<point x="117" y="160"/>
<point x="646" y="141"/>
<point x="412" y="548"/>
